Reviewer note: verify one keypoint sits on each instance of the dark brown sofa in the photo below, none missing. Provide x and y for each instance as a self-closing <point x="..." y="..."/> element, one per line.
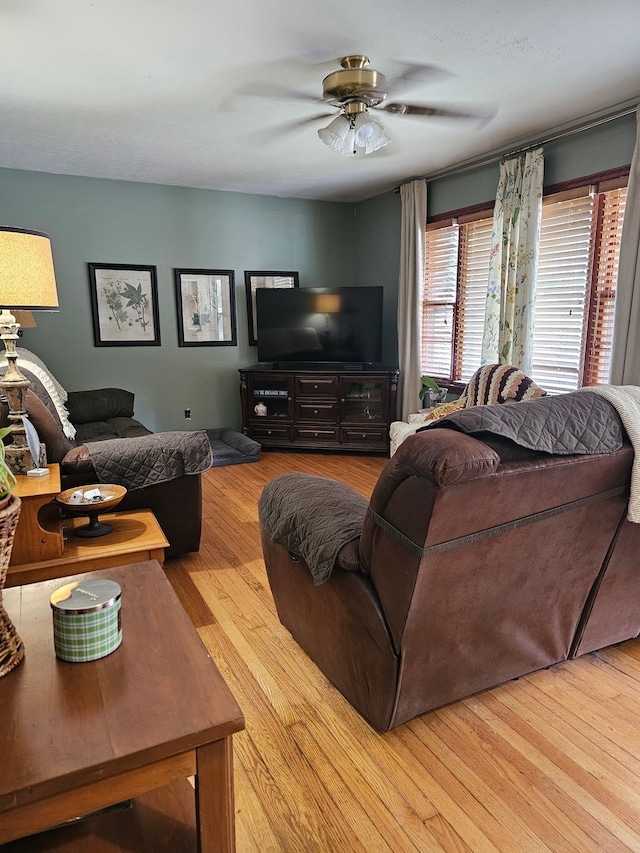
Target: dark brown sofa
<point x="107" y="413"/>
<point x="478" y="561"/>
<point x="99" y="415"/>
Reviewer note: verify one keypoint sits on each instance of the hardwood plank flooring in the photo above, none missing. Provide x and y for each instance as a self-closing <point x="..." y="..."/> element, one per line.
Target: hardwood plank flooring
<point x="549" y="762"/>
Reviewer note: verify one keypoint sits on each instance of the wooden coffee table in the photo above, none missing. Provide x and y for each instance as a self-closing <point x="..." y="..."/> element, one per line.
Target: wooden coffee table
<point x="75" y="738"/>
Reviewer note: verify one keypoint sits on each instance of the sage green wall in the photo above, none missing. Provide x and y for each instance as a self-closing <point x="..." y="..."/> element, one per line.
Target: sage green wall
<point x="377" y="248"/>
<point x="584" y="153"/>
<point x="330" y="244"/>
<point x="377" y="236"/>
<point x="120" y="222"/>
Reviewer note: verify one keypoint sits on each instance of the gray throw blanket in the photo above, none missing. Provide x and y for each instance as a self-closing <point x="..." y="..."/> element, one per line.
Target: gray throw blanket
<point x="565" y="424"/>
<point x="149" y="459"/>
<point x="312" y="517"/>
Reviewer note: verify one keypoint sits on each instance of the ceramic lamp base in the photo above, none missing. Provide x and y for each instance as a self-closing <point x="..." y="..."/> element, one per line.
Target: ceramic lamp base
<point x="20" y="461"/>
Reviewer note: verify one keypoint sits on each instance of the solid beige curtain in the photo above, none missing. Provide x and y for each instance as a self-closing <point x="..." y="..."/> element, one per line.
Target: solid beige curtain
<point x="410" y="286"/>
<point x="625" y="357"/>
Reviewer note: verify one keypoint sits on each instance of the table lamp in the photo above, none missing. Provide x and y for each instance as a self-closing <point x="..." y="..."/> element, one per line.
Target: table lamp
<point x="25" y="319"/>
<point x="327" y="303"/>
<point x="27" y="283"/>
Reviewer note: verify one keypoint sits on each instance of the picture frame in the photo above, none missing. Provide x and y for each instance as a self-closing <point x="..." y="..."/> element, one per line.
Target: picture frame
<point x="206" y="307"/>
<point x="124" y="303"/>
<point x="255" y="279"/>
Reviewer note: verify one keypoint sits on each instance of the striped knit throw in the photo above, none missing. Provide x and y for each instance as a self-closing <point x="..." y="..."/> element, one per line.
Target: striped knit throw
<point x="500" y="383"/>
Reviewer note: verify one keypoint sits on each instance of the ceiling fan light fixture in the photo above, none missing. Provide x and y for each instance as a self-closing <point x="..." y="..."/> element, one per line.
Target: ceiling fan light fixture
<point x="369" y="133"/>
<point x="339" y="135"/>
<point x="345" y="134"/>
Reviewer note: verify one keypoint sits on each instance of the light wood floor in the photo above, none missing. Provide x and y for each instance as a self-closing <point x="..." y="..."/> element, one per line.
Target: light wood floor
<point x="550" y="762"/>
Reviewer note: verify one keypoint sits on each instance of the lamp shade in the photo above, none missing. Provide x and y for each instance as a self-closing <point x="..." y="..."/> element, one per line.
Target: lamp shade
<point x="27" y="279"/>
<point x="338" y="135"/>
<point x="25" y="318"/>
<point x="328" y="303"/>
<point x="370" y="134"/>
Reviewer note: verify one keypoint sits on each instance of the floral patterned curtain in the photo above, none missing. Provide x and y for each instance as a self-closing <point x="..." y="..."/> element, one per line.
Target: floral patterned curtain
<point x="508" y="325"/>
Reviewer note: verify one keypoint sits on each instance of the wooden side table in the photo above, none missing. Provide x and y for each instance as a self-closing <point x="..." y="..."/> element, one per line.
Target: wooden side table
<point x="136" y="535"/>
<point x="77" y="737"/>
<point x="39" y="532"/>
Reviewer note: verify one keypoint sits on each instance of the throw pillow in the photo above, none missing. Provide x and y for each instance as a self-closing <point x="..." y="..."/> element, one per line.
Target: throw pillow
<point x="48" y="429"/>
<point x="45" y="386"/>
<point x="500" y="383"/>
<point x="445" y="409"/>
<point x="100" y="404"/>
<point x="27" y="355"/>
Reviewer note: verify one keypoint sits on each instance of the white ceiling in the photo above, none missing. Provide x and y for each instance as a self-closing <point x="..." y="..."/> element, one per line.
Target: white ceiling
<point x="195" y="93"/>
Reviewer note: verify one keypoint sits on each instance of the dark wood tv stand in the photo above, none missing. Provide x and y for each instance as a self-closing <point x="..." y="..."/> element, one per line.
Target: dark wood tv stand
<point x="317" y="407"/>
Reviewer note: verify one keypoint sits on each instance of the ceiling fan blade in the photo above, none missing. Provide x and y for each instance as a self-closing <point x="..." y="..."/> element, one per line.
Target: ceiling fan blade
<point x="268" y="135"/>
<point x="269" y="90"/>
<point x="415" y="73"/>
<point x="302" y="122"/>
<point x="424" y="111"/>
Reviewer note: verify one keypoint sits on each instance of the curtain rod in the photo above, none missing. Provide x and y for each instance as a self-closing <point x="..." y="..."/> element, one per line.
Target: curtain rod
<point x="586" y="123"/>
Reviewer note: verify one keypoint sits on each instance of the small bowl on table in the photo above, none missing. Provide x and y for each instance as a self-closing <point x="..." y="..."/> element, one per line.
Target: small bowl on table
<point x="91" y="501"/>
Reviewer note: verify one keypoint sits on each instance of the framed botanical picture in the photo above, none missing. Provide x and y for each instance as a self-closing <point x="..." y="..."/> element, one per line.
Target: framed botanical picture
<point x="124" y="300"/>
<point x="254" y="279"/>
<point x="206" y="304"/>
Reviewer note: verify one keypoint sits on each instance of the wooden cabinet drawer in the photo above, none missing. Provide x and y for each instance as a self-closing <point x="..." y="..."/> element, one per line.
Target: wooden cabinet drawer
<point x="365" y="436"/>
<point x="317" y="412"/>
<point x="316" y="386"/>
<point x="266" y="432"/>
<point x="316" y="436"/>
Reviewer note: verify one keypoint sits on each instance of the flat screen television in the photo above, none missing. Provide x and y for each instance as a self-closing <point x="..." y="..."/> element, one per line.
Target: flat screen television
<point x="327" y="325"/>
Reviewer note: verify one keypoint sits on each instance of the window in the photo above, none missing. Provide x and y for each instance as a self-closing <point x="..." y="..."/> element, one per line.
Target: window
<point x="575" y="292"/>
<point x="455" y="289"/>
<point x="602" y="299"/>
<point x="561" y="288"/>
<point x="576" y="289"/>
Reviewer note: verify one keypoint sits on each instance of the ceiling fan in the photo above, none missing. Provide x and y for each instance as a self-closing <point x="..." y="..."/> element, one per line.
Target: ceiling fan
<point x="356" y="89"/>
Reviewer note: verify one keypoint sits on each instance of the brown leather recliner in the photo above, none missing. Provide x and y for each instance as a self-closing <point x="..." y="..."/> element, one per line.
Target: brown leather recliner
<point x="477" y="563"/>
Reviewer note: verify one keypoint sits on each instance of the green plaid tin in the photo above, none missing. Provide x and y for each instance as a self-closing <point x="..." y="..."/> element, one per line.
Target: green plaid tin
<point x="86" y="620"/>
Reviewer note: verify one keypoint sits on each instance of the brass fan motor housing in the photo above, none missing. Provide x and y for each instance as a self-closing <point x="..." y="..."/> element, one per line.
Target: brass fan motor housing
<point x="355" y="82"/>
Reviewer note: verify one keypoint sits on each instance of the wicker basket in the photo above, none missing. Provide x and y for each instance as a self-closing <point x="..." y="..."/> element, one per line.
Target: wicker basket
<point x="11" y="647"/>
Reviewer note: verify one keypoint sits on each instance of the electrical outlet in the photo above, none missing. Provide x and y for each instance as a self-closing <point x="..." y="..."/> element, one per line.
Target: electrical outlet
<point x="187" y="414"/>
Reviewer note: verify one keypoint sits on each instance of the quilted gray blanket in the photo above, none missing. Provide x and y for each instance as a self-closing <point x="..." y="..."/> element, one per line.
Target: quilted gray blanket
<point x="313" y="517"/>
<point x="149" y="459"/>
<point x="565" y="424"/>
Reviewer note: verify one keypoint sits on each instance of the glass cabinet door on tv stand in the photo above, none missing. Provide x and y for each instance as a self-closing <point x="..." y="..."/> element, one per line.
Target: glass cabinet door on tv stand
<point x="271" y="397"/>
<point x="364" y="400"/>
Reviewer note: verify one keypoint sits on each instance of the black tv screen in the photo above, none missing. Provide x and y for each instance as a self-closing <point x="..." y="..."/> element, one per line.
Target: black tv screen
<point x="319" y="324"/>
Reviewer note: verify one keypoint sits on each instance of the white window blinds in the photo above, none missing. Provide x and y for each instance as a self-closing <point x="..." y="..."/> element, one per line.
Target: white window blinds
<point x="563" y="269"/>
<point x="439" y="301"/>
<point x="456" y="275"/>
<point x="575" y="294"/>
<point x="475" y="250"/>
